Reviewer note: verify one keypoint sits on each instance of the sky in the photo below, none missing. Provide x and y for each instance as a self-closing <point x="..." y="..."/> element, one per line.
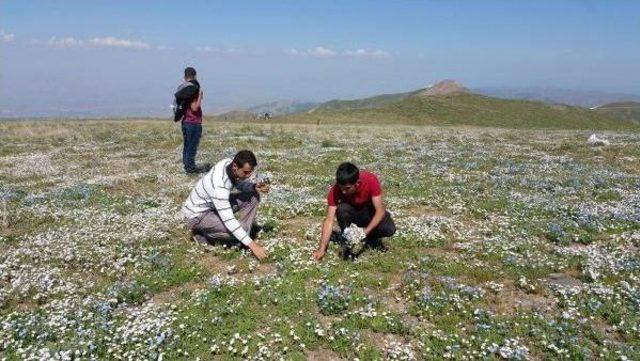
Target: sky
<point x="127" y="57"/>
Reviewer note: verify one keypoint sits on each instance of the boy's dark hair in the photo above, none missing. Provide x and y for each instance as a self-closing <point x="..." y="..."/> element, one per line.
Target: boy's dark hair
<point x="189" y="72"/>
<point x="347" y="173"/>
<point x="245" y="156"/>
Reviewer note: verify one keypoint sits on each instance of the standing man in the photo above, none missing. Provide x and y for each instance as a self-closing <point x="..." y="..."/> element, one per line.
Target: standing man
<point x="188" y="101"/>
<point x="211" y="204"/>
<point x="356" y="198"/>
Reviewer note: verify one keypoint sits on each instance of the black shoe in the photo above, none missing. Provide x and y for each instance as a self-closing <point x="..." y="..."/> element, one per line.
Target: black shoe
<point x="346" y="254"/>
<point x="255" y="230"/>
<point x="200" y="239"/>
<point x="203" y="168"/>
<point x="336" y="237"/>
<point x="376" y="244"/>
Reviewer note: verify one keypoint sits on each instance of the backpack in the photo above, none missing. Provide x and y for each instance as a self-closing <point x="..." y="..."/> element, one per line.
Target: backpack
<point x="183" y="97"/>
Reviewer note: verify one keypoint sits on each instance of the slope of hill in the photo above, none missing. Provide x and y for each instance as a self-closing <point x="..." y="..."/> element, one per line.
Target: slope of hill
<point x="282" y="107"/>
<point x="457" y="106"/>
<point x="624" y="111"/>
<point x="582" y="98"/>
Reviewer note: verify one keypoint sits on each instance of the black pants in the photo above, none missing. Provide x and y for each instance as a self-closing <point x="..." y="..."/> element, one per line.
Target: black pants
<point x="347" y="214"/>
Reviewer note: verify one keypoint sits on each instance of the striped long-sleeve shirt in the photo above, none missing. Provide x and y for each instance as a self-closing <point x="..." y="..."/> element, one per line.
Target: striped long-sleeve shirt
<point x="211" y="192"/>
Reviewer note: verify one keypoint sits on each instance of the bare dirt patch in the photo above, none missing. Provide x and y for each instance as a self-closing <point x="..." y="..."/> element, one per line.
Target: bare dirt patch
<point x="322" y="354"/>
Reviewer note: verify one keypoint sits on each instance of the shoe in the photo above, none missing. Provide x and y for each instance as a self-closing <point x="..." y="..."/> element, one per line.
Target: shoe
<point x="336" y="237"/>
<point x="345" y="253"/>
<point x="376" y="244"/>
<point x="255" y="230"/>
<point x="200" y="240"/>
<point x="203" y="168"/>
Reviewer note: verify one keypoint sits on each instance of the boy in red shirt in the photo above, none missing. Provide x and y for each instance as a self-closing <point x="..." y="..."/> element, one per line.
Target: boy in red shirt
<point x="355" y="198"/>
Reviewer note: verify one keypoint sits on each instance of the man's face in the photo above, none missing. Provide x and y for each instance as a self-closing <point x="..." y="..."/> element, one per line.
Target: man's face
<point x="349" y="189"/>
<point x="243" y="172"/>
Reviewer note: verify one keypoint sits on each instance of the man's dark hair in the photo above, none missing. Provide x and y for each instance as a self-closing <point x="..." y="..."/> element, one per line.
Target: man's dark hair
<point x="347" y="173"/>
<point x="189" y="72"/>
<point x="243" y="157"/>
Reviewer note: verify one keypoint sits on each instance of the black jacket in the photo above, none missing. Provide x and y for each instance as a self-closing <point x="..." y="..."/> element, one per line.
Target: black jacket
<point x="185" y="94"/>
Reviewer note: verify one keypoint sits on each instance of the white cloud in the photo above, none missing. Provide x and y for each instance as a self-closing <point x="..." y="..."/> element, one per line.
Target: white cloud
<point x="64" y="42"/>
<point x="323" y="52"/>
<point x="111" y="41"/>
<point x="216" y="50"/>
<point x="373" y="53"/>
<point x="318" y="52"/>
<point x="6" y="37"/>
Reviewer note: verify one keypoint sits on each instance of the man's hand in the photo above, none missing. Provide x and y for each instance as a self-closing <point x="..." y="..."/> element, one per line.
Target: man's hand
<point x="318" y="254"/>
<point x="258" y="251"/>
<point x="263" y="187"/>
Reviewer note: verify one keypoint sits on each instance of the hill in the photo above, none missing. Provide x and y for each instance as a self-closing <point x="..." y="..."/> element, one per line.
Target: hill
<point x="581" y="98"/>
<point x="624" y="111"/>
<point x="449" y="103"/>
<point x="281" y="107"/>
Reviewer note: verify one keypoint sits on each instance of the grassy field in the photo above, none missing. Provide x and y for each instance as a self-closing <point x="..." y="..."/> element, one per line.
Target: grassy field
<point x="510" y="245"/>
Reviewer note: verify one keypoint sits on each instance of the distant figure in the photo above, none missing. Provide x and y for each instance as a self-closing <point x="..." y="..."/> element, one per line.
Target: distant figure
<point x="226" y="189"/>
<point x="188" y="101"/>
<point x="356" y="199"/>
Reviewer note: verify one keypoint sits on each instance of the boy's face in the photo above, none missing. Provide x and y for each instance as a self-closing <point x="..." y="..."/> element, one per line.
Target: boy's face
<point x="349" y="189"/>
<point x="243" y="172"/>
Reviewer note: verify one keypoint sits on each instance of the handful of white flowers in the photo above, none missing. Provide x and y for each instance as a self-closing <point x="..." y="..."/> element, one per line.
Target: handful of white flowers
<point x="354" y="237"/>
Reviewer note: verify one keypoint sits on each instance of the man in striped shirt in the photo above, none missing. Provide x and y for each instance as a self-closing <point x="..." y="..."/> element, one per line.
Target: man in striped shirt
<point x="211" y="204"/>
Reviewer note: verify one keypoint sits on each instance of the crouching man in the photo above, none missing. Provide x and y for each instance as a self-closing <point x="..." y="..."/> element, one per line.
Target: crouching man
<point x="223" y="204"/>
<point x="356" y="198"/>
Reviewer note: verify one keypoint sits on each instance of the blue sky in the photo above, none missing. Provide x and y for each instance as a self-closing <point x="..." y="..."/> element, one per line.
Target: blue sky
<point x="105" y="55"/>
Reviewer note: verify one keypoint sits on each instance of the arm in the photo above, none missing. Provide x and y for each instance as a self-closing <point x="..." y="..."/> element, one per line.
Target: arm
<point x="326" y="233"/>
<point x="377" y="217"/>
<point x="245" y="186"/>
<point x="231" y="223"/>
<point x="223" y="207"/>
<point x="195" y="105"/>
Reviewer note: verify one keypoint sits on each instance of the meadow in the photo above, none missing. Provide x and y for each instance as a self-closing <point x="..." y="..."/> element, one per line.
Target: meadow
<point x="511" y="244"/>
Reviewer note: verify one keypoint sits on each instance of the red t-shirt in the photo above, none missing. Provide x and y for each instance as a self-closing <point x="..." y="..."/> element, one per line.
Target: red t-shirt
<point x="369" y="187"/>
<point x="192" y="117"/>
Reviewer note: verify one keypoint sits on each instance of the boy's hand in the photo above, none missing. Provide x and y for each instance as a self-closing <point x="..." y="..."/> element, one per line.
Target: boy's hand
<point x="258" y="251"/>
<point x="318" y="254"/>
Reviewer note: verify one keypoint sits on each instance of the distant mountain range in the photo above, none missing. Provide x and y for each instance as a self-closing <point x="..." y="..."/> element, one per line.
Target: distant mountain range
<point x="581" y="98"/>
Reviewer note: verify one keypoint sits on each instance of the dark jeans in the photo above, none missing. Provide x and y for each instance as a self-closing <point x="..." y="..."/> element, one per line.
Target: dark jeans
<point x="347" y="214"/>
<point x="191" y="135"/>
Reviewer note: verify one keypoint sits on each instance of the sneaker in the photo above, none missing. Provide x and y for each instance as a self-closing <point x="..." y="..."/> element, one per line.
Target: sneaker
<point x="255" y="230"/>
<point x="200" y="240"/>
<point x="345" y="253"/>
<point x="377" y="244"/>
<point x="336" y="237"/>
<point x="203" y="168"/>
